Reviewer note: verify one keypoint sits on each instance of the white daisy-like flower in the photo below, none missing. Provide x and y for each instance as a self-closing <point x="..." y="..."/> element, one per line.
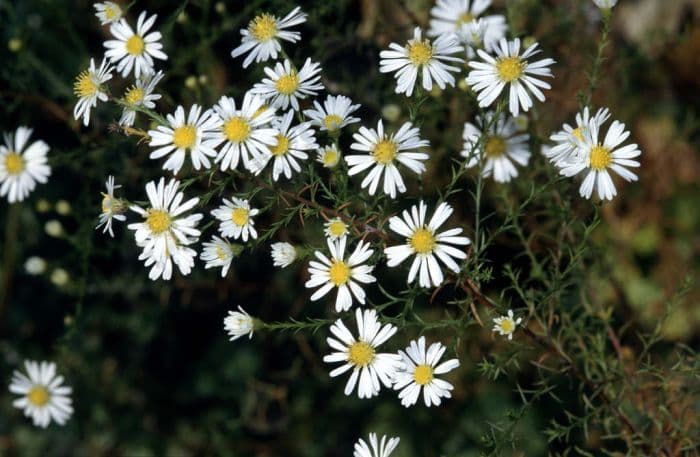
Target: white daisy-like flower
<point x="605" y="4"/>
<point x="382" y="152"/>
<point x="285" y="86"/>
<point x="261" y="37"/>
<point x="421" y="55"/>
<point x="334" y="114"/>
<point x="488" y="78"/>
<point x="290" y="146"/>
<point x="166" y="232"/>
<point x="506" y="325"/>
<point x="419" y="373"/>
<point x="238" y="324"/>
<point x="135" y="50"/>
<point x="242" y="133"/>
<point x="335" y="229"/>
<point x="112" y="207"/>
<point x="43" y="397"/>
<point x="283" y="254"/>
<point x="217" y="253"/>
<point x="236" y="218"/>
<point x="20" y="168"/>
<point x="329" y="156"/>
<point x="192" y="134"/>
<point x="496" y="149"/>
<point x="88" y="88"/>
<point x="107" y="12"/>
<point x="375" y="448"/>
<point x="597" y="158"/>
<point x="369" y="368"/>
<point x="461" y="16"/>
<point x="140" y="94"/>
<point x="566" y="140"/>
<point x="423" y="241"/>
<point x="340" y="273"/>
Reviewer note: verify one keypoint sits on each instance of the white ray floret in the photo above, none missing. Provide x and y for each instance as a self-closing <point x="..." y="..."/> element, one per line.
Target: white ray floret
<point x="217" y="253"/>
<point x="422" y="55"/>
<point x="596" y="159"/>
<point x="285" y="86"/>
<point x="370" y="370"/>
<point x="506" y="325"/>
<point x="238" y="324"/>
<point x="242" y="133"/>
<point x="22" y="165"/>
<point x="461" y="16"/>
<point x="421" y="367"/>
<point x="140" y="95"/>
<point x="509" y="67"/>
<point x="112" y="207"/>
<point x="261" y="39"/>
<point x="135" y="50"/>
<point x="334" y="114"/>
<point x="425" y="243"/>
<point x="497" y="145"/>
<point x="107" y="12"/>
<point x="88" y="88"/>
<point x="382" y="152"/>
<point x="236" y="218"/>
<point x="375" y="448"/>
<point x="43" y="397"/>
<point x="191" y="134"/>
<point x="344" y="274"/>
<point x="566" y="141"/>
<point x="291" y="144"/>
<point x="166" y="232"/>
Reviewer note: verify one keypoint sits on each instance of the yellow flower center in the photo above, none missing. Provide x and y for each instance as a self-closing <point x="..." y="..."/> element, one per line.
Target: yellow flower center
<point x="14" y="163"/>
<point x="465" y="18"/>
<point x="239" y="216"/>
<point x="507" y="325"/>
<point x="158" y="220"/>
<point x="134" y="95"/>
<point x="422" y="241"/>
<point x="184" y="137"/>
<point x="360" y="354"/>
<point x="236" y="129"/>
<point x="385" y="152"/>
<point x="332" y="122"/>
<point x="110" y="13"/>
<point x="509" y="68"/>
<point x="38" y="396"/>
<point x="600" y="157"/>
<point x="337" y="228"/>
<point x="339" y="273"/>
<point x="221" y="253"/>
<point x="330" y="158"/>
<point x="420" y="52"/>
<point x="263" y="27"/>
<point x="423" y="374"/>
<point x="578" y="133"/>
<point x="281" y="147"/>
<point x="287" y="84"/>
<point x="135" y="45"/>
<point x="84" y="86"/>
<point x="495" y="147"/>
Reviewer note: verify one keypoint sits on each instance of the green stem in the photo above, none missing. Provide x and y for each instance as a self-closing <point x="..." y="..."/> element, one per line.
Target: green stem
<point x="599" y="58"/>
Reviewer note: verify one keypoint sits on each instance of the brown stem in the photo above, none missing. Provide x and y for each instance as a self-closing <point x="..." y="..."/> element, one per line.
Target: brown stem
<point x="9" y="254"/>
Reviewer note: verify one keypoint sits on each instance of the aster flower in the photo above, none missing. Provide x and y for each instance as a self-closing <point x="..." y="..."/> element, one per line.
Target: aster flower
<point x="506" y="325"/>
<point x="566" y="140"/>
<point x="334" y="114"/>
<point x="381" y="152"/>
<point x="238" y="324"/>
<point x="112" y="207"/>
<point x="192" y="134"/>
<point x="369" y="368"/>
<point x="236" y="218"/>
<point x="329" y="156"/>
<point x="140" y="94"/>
<point x="217" y="253"/>
<point x="88" y="88"/>
<point x="283" y="254"/>
<point x="426" y="244"/>
<point x="419" y="373"/>
<point x="261" y="37"/>
<point x="464" y="18"/>
<point x="421" y="55"/>
<point x="20" y="168"/>
<point x="605" y="4"/>
<point x="107" y="12"/>
<point x="43" y="397"/>
<point x="509" y="67"/>
<point x="502" y="147"/>
<point x="242" y="133"/>
<point x="285" y="86"/>
<point x="376" y="448"/>
<point x="134" y="50"/>
<point x="335" y="229"/>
